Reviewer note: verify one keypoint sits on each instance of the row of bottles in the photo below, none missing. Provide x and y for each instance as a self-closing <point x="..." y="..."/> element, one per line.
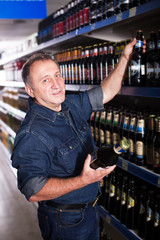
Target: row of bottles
<point x="79" y="13"/>
<point x="91" y="64"/>
<point x="142" y="130"/>
<point x="135" y="203"/>
<point x="13" y="70"/>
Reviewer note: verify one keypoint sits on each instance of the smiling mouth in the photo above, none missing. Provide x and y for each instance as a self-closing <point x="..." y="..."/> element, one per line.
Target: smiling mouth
<point x="57" y="92"/>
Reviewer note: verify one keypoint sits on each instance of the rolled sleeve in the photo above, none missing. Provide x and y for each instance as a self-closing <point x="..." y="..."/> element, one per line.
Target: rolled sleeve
<point x="33" y="186"/>
<point x="96" y="98"/>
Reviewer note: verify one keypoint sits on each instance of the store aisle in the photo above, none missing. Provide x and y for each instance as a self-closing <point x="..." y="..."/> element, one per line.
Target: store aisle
<point x="18" y="219"/>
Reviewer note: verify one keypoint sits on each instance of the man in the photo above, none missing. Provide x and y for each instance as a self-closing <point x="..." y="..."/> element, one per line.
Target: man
<point x="53" y="146"/>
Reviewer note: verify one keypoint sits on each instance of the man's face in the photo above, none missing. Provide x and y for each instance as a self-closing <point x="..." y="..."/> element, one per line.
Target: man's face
<point x="48" y="86"/>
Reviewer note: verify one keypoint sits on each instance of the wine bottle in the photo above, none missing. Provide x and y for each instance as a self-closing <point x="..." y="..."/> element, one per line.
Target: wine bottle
<point x="108" y="156"/>
<point x="156" y="165"/>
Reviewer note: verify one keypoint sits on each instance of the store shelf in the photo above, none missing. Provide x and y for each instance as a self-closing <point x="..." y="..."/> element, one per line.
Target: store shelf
<point x="7" y="129"/>
<point x="119" y="27"/>
<point x="14" y="111"/>
<point x="141" y="91"/>
<point x="12" y="84"/>
<point x="140" y="172"/>
<point x="128" y="234"/>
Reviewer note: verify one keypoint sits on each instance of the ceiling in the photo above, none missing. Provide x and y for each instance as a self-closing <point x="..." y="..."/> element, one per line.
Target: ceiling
<point x="12" y="32"/>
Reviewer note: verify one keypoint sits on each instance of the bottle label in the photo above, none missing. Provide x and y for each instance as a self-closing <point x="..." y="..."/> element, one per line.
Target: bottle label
<point x="103" y="116"/>
<point x="142" y="209"/>
<point x="92" y="131"/>
<point x="134" y="68"/>
<point x="86" y="15"/>
<point x="112" y="191"/>
<point x="131" y="202"/>
<point x="149" y="71"/>
<point x="97" y="133"/>
<point x="108" y="137"/>
<point x="131" y="148"/>
<point x="149" y="216"/>
<point x="157" y="219"/>
<point x="115" y="138"/>
<point x="118" y="149"/>
<point x="124" y="198"/>
<point x="139" y="44"/>
<point x="140" y="126"/>
<point x="132" y="124"/>
<point x="102" y="136"/>
<point x="118" y="195"/>
<point x="157" y="157"/>
<point x="139" y="149"/>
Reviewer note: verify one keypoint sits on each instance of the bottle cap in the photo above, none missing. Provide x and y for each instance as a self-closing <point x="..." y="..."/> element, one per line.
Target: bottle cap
<point x="124" y="143"/>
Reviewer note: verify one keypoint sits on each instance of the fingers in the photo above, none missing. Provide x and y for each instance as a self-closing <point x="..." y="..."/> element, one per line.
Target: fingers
<point x="87" y="161"/>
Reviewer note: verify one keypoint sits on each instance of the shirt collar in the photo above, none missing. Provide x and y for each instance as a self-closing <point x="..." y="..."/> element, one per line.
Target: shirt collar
<point x="44" y="111"/>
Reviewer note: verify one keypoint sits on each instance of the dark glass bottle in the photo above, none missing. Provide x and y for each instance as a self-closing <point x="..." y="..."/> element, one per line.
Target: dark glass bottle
<point x="108" y="128"/>
<point x="140" y="141"/>
<point x="126" y="133"/>
<point x="81" y="66"/>
<point x="100" y="10"/>
<point x="150" y="142"/>
<point x="123" y="207"/>
<point x="156" y="165"/>
<point x="85" y="67"/>
<point x="117" y="8"/>
<point x="86" y="12"/>
<point x="137" y="63"/>
<point x="92" y="124"/>
<point x="118" y="194"/>
<point x="149" y="223"/>
<point x="142" y="211"/>
<point x="157" y="62"/>
<point x="94" y="73"/>
<point x="105" y="60"/>
<point x="150" y="59"/>
<point x="115" y="130"/>
<point x="112" y="193"/>
<point x="100" y="63"/>
<point x="97" y="126"/>
<point x="108" y="156"/>
<point x="132" y="138"/>
<point x="156" y="230"/>
<point x="102" y="128"/>
<point x="93" y="11"/>
<point x="110" y="8"/>
<point x="131" y="205"/>
<point x="110" y="57"/>
<point x="124" y="5"/>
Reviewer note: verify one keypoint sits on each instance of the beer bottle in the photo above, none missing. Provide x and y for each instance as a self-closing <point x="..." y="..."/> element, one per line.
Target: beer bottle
<point x="85" y="67"/>
<point x="132" y="138"/>
<point x="124" y="5"/>
<point x="118" y="194"/>
<point x="150" y="59"/>
<point x="105" y="60"/>
<point x="115" y="130"/>
<point x="78" y="65"/>
<point x="156" y="164"/>
<point x="123" y="207"/>
<point x="81" y="15"/>
<point x="149" y="222"/>
<point x="112" y="189"/>
<point x="108" y="156"/>
<point x="81" y="65"/>
<point x="100" y="62"/>
<point x="140" y="141"/>
<point x="131" y="205"/>
<point x="100" y="10"/>
<point x="77" y="3"/>
<point x="142" y="211"/>
<point x="110" y="8"/>
<point x="117" y="8"/>
<point x="102" y="127"/>
<point x="150" y="142"/>
<point x="68" y="17"/>
<point x="110" y="57"/>
<point x="92" y="124"/>
<point x="86" y="12"/>
<point x="156" y="230"/>
<point x="157" y="62"/>
<point x="126" y="132"/>
<point x="71" y="16"/>
<point x="108" y="133"/>
<point x="137" y="66"/>
<point x="97" y="125"/>
<point x="94" y="72"/>
<point x="93" y="11"/>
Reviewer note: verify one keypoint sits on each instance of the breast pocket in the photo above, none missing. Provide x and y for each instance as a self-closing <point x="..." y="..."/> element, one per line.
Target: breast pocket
<point x="68" y="154"/>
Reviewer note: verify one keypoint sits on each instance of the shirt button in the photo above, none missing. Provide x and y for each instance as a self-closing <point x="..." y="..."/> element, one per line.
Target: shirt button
<point x="70" y="147"/>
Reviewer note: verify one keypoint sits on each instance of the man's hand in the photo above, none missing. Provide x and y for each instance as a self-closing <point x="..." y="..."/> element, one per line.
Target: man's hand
<point x="90" y="175"/>
<point x="127" y="52"/>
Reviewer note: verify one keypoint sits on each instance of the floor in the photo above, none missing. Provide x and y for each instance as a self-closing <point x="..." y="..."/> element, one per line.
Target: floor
<point x="18" y="218"/>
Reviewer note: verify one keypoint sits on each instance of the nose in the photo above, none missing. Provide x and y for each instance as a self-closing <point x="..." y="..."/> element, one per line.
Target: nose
<point x="55" y="83"/>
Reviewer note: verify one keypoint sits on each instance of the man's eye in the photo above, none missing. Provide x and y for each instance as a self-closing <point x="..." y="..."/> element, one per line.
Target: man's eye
<point x="45" y="80"/>
<point x="58" y="75"/>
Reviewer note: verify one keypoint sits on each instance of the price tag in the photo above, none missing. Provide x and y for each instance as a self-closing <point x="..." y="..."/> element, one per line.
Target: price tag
<point x="158" y="182"/>
<point x="132" y="12"/>
<point x="93" y="26"/>
<point x="108" y="219"/>
<point x="125" y="166"/>
<point x="76" y="33"/>
<point x="119" y="17"/>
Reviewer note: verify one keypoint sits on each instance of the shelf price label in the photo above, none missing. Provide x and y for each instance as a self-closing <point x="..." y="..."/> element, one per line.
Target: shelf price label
<point x="108" y="219"/>
<point x="125" y="166"/>
<point x="132" y="12"/>
<point x="119" y="17"/>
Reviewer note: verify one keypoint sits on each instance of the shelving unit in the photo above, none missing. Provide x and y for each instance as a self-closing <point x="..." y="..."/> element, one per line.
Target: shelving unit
<point x="120" y="27"/>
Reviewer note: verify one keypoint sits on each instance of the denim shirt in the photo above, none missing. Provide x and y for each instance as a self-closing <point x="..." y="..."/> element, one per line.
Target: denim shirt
<point x="55" y="144"/>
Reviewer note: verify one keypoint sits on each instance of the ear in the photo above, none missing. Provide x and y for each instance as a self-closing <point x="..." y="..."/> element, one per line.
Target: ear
<point x="29" y="90"/>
